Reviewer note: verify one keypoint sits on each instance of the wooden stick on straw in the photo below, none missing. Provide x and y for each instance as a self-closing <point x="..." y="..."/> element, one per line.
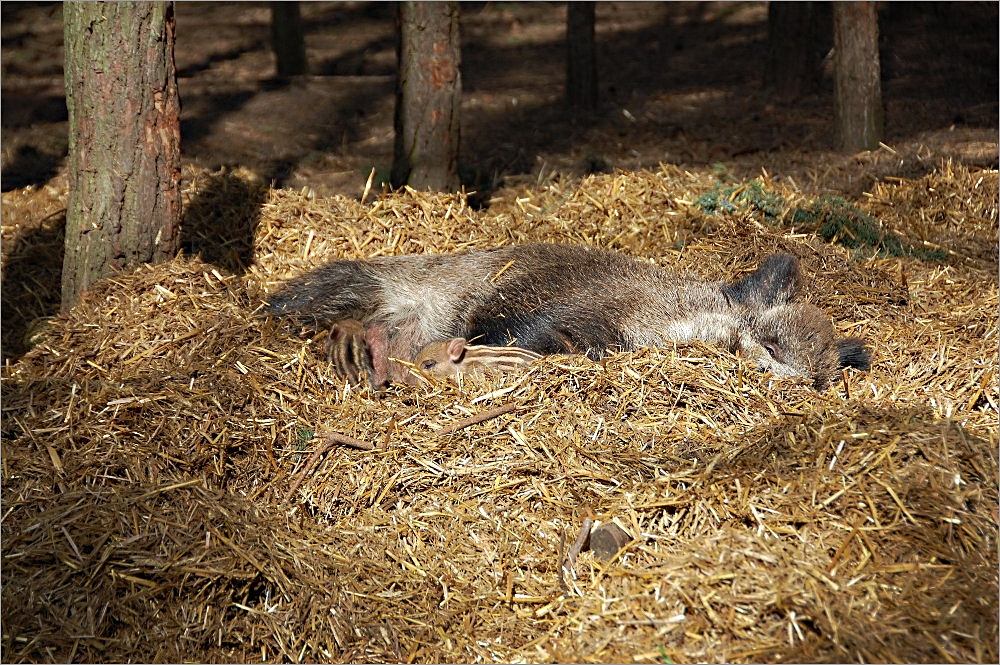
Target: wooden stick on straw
<point x="478" y="418"/>
<point x="577" y="547"/>
<point x="331" y="439"/>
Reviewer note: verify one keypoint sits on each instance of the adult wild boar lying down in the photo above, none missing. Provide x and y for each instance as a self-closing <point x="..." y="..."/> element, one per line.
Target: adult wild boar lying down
<point x="551" y="299"/>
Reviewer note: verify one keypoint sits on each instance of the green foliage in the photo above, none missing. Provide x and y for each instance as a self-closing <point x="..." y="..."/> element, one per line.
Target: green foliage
<point x="305" y="435"/>
<point x="832" y="217"/>
<point x="752" y="196"/>
<point x="837" y="220"/>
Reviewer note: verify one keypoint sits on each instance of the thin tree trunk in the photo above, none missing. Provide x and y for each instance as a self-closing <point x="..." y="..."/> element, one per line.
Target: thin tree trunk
<point x="428" y="97"/>
<point x="124" y="140"/>
<point x="288" y="39"/>
<point x="792" y="67"/>
<point x="857" y="76"/>
<point x="581" y="56"/>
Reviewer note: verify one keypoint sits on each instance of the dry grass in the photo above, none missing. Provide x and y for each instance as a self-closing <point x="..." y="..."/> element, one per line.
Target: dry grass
<point x="176" y="484"/>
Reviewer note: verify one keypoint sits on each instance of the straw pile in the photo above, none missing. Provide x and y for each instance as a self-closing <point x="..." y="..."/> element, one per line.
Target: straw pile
<point x="186" y="481"/>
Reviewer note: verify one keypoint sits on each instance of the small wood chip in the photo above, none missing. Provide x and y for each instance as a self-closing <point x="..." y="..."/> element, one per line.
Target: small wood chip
<point x="607" y="540"/>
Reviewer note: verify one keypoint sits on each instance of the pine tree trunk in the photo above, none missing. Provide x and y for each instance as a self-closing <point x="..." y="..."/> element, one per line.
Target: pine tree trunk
<point x="288" y="39"/>
<point x="857" y="76"/>
<point x="792" y="67"/>
<point x="581" y="57"/>
<point x="428" y="96"/>
<point x="124" y="140"/>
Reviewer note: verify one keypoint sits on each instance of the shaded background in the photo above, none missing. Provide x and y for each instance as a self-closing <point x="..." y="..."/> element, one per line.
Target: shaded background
<point x="679" y="82"/>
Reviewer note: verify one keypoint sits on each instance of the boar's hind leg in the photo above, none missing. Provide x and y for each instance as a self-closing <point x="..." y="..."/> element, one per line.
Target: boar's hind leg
<point x="348" y="352"/>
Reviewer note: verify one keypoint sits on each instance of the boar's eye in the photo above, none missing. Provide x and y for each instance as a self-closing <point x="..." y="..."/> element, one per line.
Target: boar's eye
<point x="428" y="364"/>
<point x="772" y="350"/>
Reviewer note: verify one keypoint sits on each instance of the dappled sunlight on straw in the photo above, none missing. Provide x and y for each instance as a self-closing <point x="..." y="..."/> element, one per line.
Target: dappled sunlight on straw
<point x="164" y="497"/>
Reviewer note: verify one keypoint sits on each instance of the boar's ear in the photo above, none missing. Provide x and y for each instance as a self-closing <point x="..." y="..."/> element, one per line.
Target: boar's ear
<point x="456" y="348"/>
<point x="775" y="282"/>
<point x="853" y="353"/>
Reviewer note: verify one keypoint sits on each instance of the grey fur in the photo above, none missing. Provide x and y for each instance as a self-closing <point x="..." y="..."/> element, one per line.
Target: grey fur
<point x="569" y="298"/>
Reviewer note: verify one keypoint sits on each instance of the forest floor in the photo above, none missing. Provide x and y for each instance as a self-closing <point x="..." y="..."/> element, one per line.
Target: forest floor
<point x="175" y="486"/>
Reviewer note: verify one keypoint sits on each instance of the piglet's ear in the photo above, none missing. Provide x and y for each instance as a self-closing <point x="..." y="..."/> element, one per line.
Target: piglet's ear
<point x="456" y="349"/>
<point x="853" y="353"/>
<point x="775" y="282"/>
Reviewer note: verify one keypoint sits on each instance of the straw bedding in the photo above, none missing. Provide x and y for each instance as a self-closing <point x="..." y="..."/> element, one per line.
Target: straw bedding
<point x="184" y="480"/>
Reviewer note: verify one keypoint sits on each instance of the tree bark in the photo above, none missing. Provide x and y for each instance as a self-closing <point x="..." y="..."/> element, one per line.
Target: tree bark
<point x="857" y="76"/>
<point x="288" y="39"/>
<point x="124" y="140"/>
<point x="792" y="67"/>
<point x="428" y="97"/>
<point x="581" y="57"/>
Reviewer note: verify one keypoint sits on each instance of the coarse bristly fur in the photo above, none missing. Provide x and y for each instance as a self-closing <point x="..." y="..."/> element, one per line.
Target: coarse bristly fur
<point x="551" y="298"/>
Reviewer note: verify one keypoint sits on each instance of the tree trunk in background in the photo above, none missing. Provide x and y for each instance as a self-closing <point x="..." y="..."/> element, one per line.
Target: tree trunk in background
<point x="288" y="39"/>
<point x="428" y="97"/>
<point x="857" y="76"/>
<point x="581" y="57"/>
<point x="124" y="140"/>
<point x="792" y="67"/>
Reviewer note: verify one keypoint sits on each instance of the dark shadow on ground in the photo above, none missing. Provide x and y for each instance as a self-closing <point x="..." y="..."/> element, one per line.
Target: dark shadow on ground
<point x="220" y="222"/>
<point x="208" y="111"/>
<point x="216" y="58"/>
<point x="962" y="603"/>
<point x="29" y="166"/>
<point x="31" y="284"/>
<point x="356" y="62"/>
